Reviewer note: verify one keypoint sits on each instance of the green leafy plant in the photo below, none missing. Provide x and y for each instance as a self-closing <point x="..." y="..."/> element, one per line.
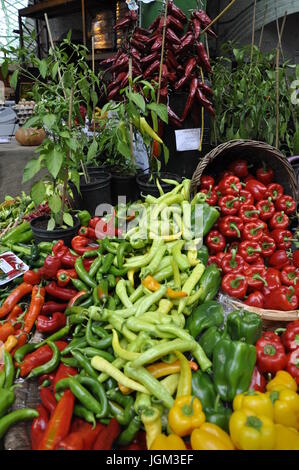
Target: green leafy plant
<point x="139" y="108"/>
<point x="63" y="82"/>
<point x="245" y="98"/>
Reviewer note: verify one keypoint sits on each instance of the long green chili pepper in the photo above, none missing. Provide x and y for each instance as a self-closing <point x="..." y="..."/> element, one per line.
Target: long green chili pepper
<point x="95" y="342"/>
<point x="99" y="331"/>
<point x="118" y="272"/>
<point x="82" y="412"/>
<point x="2" y="378"/>
<point x="119" y="324"/>
<point x="75" y="343"/>
<point x="107" y="262"/>
<point x="121" y="292"/>
<point x="142" y="402"/>
<point x="150" y="383"/>
<point x="180" y="259"/>
<point x="111" y="304"/>
<point x="80" y="392"/>
<point x="144" y="260"/>
<point x="70" y="361"/>
<point x="23" y="350"/>
<point x="155" y="263"/>
<point x="76" y="319"/>
<point x="84" y="364"/>
<point x="98" y="391"/>
<point x="91" y="352"/>
<point x="127" y="436"/>
<point x="120" y="254"/>
<point x="87" y="302"/>
<point x="9" y="370"/>
<point x="111" y="281"/>
<point x="137" y="294"/>
<point x="164" y="274"/>
<point x="160" y="350"/>
<point x="55" y="336"/>
<point x="83" y="274"/>
<point x="108" y="246"/>
<point x="79" y="285"/>
<point x="128" y="414"/>
<point x="116" y="409"/>
<point x="95" y="266"/>
<point x="189" y="285"/>
<point x="50" y="365"/>
<point x="150" y="300"/>
<point x="24" y="414"/>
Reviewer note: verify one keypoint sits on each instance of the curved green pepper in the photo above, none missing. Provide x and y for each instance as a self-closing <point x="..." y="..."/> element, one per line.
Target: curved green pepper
<point x="203" y="317"/>
<point x="210" y="338"/>
<point x="244" y="325"/>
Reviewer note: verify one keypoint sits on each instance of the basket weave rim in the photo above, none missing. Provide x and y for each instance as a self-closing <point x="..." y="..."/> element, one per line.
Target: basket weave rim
<point x="209" y="157"/>
<point x="271" y="315"/>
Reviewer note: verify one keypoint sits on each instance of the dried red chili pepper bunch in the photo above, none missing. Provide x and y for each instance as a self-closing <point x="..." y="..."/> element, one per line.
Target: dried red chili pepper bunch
<point x="185" y="58"/>
<point x="251" y="240"/>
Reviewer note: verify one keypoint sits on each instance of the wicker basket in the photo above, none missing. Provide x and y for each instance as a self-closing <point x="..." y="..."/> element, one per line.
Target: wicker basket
<point x="254" y="152"/>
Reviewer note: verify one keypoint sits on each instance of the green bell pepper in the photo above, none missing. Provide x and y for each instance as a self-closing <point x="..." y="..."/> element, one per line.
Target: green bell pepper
<point x="233" y="364"/>
<point x="209" y="283"/>
<point x="203" y="254"/>
<point x="203" y="317"/>
<point x="244" y="325"/>
<point x="84" y="217"/>
<point x="209" y="216"/>
<point x="210" y="338"/>
<point x="203" y="389"/>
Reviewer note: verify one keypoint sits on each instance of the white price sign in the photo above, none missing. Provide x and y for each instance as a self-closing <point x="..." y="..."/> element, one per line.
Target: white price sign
<point x="187" y="139"/>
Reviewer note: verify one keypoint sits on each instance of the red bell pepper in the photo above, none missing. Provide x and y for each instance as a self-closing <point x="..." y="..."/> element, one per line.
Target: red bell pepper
<point x="32" y="277"/>
<point x="58" y="247"/>
<point x="79" y="244"/>
<point x="229" y="205"/>
<point x="274" y="191"/>
<point x="258" y="262"/>
<point x="246" y="197"/>
<point x="257" y="189"/>
<point x="217" y="259"/>
<point x="232" y="263"/>
<point x="52" y="264"/>
<point x="234" y="285"/>
<point x="230" y="185"/>
<point x="282" y="238"/>
<point x="60" y="292"/>
<point x="266" y="208"/>
<point x="265" y="174"/>
<point x="248" y="213"/>
<point x="289" y="276"/>
<point x="249" y="177"/>
<point x="48" y="399"/>
<point x="258" y="381"/>
<point x="296" y="258"/>
<point x="282" y="298"/>
<point x="93" y="222"/>
<point x="39" y="426"/>
<point x="270" y="354"/>
<point x="60" y="422"/>
<point x="249" y="250"/>
<point x="256" y="278"/>
<point x="273" y="281"/>
<point x="64" y="276"/>
<point x="255" y="299"/>
<point x="231" y="226"/>
<point x="215" y="242"/>
<point x="50" y="325"/>
<point x="290" y="336"/>
<point x="39" y="357"/>
<point x="51" y="307"/>
<point x="268" y="246"/>
<point x="286" y="204"/>
<point x="239" y="168"/>
<point x="293" y="364"/>
<point x="254" y="231"/>
<point x="279" y="259"/>
<point x="279" y="220"/>
<point x="206" y="182"/>
<point x="87" y="232"/>
<point x="212" y="196"/>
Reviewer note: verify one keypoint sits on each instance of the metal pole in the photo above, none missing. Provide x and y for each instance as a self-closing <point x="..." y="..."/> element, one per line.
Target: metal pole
<point x="83" y="21"/>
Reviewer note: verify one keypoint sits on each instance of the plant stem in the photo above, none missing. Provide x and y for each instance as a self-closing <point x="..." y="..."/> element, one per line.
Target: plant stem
<point x="131" y="125"/>
<point x="219" y="16"/>
<point x="67" y="159"/>
<point x="162" y="50"/>
<point x="52" y="45"/>
<point x="277" y="98"/>
<point x="253" y="32"/>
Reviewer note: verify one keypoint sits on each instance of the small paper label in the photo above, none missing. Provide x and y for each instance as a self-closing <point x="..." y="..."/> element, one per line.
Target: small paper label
<point x="187" y="139"/>
<point x="5" y="267"/>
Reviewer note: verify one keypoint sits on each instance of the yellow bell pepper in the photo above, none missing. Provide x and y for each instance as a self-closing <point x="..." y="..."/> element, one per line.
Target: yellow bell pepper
<point x="286" y="407"/>
<point x="171" y="442"/>
<point x="210" y="437"/>
<point x="255" y="401"/>
<point x="185" y="415"/>
<point x="286" y="438"/>
<point x="251" y="432"/>
<point x="151" y="419"/>
<point x="281" y="381"/>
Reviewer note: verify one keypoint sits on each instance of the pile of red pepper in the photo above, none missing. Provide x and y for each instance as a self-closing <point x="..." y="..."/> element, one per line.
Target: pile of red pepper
<point x="251" y="241"/>
<point x="185" y="58"/>
<point x="276" y="353"/>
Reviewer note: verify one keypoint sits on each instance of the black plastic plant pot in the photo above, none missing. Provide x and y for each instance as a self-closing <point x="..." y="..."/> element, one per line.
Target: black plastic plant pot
<point x="97" y="191"/>
<point x="123" y="186"/>
<point x="147" y="184"/>
<point x="41" y="234"/>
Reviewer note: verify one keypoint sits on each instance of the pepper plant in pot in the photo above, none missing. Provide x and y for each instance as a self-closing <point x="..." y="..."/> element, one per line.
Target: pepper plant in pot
<point x="64" y="81"/>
